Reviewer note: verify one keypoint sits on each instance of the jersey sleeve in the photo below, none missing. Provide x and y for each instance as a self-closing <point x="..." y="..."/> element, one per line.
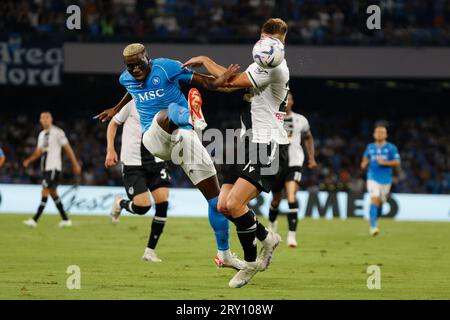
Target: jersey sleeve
<point x="123" y="115"/>
<point x="394" y="154"/>
<point x="259" y="77"/>
<point x="366" y="153"/>
<point x="62" y="139"/>
<point x="305" y="128"/>
<point x="176" y="73"/>
<point x="40" y="141"/>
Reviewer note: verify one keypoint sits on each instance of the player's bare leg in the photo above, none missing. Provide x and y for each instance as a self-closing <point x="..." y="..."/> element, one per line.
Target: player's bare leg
<point x="161" y="197"/>
<point x="291" y="188"/>
<point x="375" y="209"/>
<point x="248" y="229"/>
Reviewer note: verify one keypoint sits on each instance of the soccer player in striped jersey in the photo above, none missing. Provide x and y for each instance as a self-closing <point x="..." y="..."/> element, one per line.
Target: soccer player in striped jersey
<point x="265" y="142"/>
<point x="141" y="172"/>
<point x="380" y="158"/>
<point x="298" y="130"/>
<point x="50" y="142"/>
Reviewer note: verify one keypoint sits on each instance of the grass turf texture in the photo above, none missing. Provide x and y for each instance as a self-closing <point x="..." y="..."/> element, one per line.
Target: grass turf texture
<point x="330" y="262"/>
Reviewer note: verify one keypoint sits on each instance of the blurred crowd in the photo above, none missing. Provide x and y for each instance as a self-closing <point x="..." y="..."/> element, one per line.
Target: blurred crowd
<point x="422" y="142"/>
<point x="321" y="22"/>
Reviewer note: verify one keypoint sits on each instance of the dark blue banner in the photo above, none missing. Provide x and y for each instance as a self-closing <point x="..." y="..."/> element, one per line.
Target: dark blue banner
<point x="30" y="65"/>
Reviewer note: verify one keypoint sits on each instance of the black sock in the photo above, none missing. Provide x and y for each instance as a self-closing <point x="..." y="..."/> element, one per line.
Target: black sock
<point x="246" y="230"/>
<point x="292" y="216"/>
<point x="132" y="208"/>
<point x="40" y="209"/>
<point x="60" y="207"/>
<point x="273" y="213"/>
<point x="261" y="231"/>
<point x="158" y="224"/>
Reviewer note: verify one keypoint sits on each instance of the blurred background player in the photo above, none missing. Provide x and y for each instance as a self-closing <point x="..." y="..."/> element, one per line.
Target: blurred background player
<point x="2" y="158"/>
<point x="380" y="157"/>
<point x="50" y="142"/>
<point x="168" y="120"/>
<point x="298" y="130"/>
<point x="141" y="172"/>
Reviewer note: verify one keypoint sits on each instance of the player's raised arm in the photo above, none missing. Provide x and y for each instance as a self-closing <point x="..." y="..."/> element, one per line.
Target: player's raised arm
<point x="111" y="112"/>
<point x="308" y="141"/>
<point x="235" y="81"/>
<point x="211" y="83"/>
<point x="111" y="155"/>
<point x="213" y="68"/>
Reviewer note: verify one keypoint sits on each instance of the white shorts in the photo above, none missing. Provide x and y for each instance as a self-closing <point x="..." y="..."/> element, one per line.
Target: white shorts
<point x="377" y="190"/>
<point x="183" y="147"/>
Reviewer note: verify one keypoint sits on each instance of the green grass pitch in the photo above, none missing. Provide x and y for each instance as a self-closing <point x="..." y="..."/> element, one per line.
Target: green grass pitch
<point x="330" y="262"/>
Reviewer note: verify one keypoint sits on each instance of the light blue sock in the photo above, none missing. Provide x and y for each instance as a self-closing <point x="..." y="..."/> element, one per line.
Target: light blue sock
<point x="220" y="225"/>
<point x="373" y="213"/>
<point x="179" y="115"/>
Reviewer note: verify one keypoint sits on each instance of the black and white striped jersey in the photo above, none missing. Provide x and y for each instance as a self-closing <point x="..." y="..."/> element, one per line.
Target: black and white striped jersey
<point x="268" y="99"/>
<point x="133" y="152"/>
<point x="51" y="141"/>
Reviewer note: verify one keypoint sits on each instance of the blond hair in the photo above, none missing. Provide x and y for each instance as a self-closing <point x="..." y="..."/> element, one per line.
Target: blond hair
<point x="274" y="26"/>
<point x="133" y="49"/>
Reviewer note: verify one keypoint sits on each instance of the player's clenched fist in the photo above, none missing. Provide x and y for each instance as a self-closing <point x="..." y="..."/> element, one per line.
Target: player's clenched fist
<point x="111" y="159"/>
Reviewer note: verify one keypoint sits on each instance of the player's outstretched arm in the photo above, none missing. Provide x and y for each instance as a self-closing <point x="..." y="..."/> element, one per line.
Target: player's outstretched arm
<point x="235" y="81"/>
<point x="111" y="155"/>
<point x="211" y="83"/>
<point x="33" y="157"/>
<point x="213" y="68"/>
<point x="73" y="159"/>
<point x="308" y="141"/>
<point x="111" y="112"/>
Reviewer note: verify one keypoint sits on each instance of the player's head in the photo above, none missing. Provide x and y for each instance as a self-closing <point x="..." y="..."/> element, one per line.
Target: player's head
<point x="275" y="28"/>
<point x="46" y="119"/>
<point x="137" y="61"/>
<point x="290" y="103"/>
<point x="380" y="133"/>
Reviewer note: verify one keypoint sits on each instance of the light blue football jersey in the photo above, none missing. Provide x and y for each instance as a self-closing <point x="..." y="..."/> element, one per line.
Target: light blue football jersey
<point x="161" y="88"/>
<point x="376" y="172"/>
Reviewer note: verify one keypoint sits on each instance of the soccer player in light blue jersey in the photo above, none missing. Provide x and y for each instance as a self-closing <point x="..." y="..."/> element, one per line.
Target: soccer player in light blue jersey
<point x="167" y="120"/>
<point x="380" y="158"/>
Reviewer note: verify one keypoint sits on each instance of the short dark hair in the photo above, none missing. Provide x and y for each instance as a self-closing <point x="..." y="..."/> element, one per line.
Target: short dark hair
<point x="274" y="26"/>
<point x="381" y="124"/>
